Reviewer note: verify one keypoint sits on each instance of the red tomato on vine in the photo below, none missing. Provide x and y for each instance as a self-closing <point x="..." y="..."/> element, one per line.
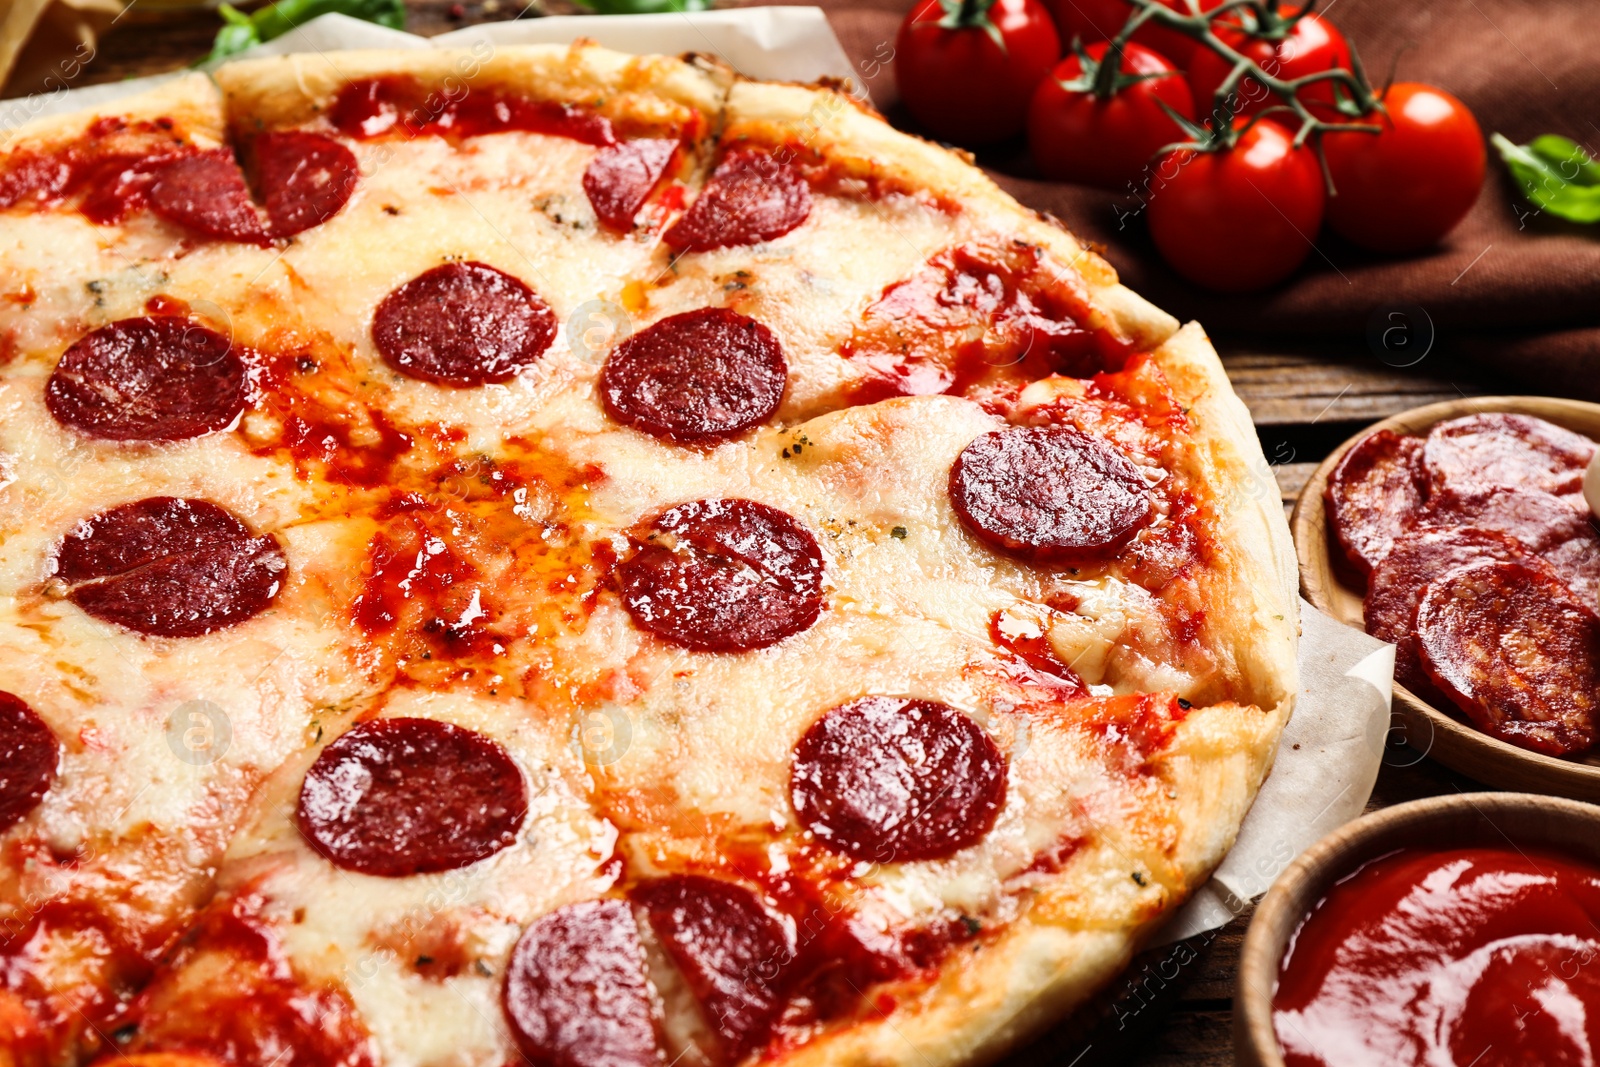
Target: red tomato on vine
<point x="1294" y="46"/>
<point x="1101" y="20"/>
<point x="1078" y="135"/>
<point x="1240" y="218"/>
<point x="966" y="69"/>
<point x="1405" y="188"/>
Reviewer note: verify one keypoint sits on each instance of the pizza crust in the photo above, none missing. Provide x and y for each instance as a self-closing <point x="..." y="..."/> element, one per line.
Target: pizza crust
<point x="649" y="90"/>
<point x="191" y="101"/>
<point x="1261" y="583"/>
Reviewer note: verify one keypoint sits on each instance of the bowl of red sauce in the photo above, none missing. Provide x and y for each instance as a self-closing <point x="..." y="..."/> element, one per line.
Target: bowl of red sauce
<point x="1459" y="931"/>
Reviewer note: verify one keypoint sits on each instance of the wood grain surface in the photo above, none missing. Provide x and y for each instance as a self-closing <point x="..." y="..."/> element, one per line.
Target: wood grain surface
<point x="1173" y="1006"/>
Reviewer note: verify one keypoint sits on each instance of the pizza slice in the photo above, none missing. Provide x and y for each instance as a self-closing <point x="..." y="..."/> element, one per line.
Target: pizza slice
<point x="176" y="402"/>
<point x="508" y="186"/>
<point x="888" y="266"/>
<point x="166" y="586"/>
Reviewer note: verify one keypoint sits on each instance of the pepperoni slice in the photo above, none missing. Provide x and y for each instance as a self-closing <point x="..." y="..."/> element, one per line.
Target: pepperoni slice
<point x="1500" y="449"/>
<point x="724" y="576"/>
<point x="148" y="379"/>
<point x="206" y="193"/>
<point x="752" y="197"/>
<point x="1508" y="644"/>
<point x="170" y="567"/>
<point x="1577" y="561"/>
<point x="620" y="178"/>
<point x="463" y="324"/>
<point x="1417" y="558"/>
<point x="305" y="179"/>
<point x="29" y="754"/>
<point x="1558" y="529"/>
<point x="1049" y="493"/>
<point x="120" y="185"/>
<point x="891" y="780"/>
<point x="575" y="993"/>
<point x="1539" y="520"/>
<point x="700" y="376"/>
<point x="729" y="950"/>
<point x="397" y="797"/>
<point x="1374" y="493"/>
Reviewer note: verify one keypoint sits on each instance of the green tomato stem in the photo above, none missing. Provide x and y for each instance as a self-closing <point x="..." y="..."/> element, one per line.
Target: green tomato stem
<point x="1266" y="16"/>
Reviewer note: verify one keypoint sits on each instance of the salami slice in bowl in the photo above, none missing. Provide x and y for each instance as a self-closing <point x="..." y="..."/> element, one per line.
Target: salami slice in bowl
<point x="1417" y="558"/>
<point x="1496" y="448"/>
<point x="1508" y="644"/>
<point x="1374" y="493"/>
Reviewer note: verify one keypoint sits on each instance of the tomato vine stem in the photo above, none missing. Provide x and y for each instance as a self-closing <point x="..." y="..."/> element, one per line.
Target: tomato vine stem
<point x="1353" y="94"/>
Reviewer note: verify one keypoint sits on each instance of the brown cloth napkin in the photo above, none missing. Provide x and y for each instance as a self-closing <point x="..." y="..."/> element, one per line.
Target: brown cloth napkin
<point x="1513" y="291"/>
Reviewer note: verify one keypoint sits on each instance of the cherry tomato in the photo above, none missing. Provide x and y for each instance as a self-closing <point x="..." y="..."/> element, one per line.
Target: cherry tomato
<point x="1242" y="218"/>
<point x="957" y="81"/>
<point x="1403" y="189"/>
<point x="1101" y="20"/>
<point x="1078" y="137"/>
<point x="1309" y="46"/>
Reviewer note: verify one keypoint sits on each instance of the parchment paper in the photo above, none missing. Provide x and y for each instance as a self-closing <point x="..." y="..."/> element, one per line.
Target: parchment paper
<point x="1334" y="744"/>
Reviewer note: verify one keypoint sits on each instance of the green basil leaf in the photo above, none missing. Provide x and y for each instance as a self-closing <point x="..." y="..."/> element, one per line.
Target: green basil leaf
<point x="277" y="19"/>
<point x="1556" y="174"/>
<point x="1569" y="157"/>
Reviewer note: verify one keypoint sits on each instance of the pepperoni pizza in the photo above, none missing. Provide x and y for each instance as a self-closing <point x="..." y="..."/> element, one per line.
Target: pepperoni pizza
<point x="587" y="557"/>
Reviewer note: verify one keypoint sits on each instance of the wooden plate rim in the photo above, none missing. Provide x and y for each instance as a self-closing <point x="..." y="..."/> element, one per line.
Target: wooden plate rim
<point x="1458" y="820"/>
<point x="1451" y="741"/>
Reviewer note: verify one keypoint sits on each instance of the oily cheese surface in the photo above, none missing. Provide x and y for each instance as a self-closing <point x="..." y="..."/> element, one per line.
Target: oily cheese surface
<point x="467" y="554"/>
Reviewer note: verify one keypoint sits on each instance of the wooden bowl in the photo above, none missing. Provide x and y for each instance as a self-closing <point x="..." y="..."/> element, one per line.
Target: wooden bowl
<point x="1329" y="582"/>
<point x="1464" y="820"/>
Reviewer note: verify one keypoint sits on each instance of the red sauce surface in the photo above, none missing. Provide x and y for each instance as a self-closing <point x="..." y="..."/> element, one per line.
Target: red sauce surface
<point x="111" y="167"/>
<point x="835" y="956"/>
<point x="1032" y="660"/>
<point x="1487" y="957"/>
<point x="419" y="565"/>
<point x="110" y="957"/>
<point x="1132" y="730"/>
<point x="257" y="1008"/>
<point x="398" y="104"/>
<point x="980" y="321"/>
<point x="93" y="923"/>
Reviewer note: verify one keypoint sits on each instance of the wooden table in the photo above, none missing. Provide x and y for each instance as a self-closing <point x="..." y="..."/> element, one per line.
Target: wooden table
<point x="1173" y="1006"/>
